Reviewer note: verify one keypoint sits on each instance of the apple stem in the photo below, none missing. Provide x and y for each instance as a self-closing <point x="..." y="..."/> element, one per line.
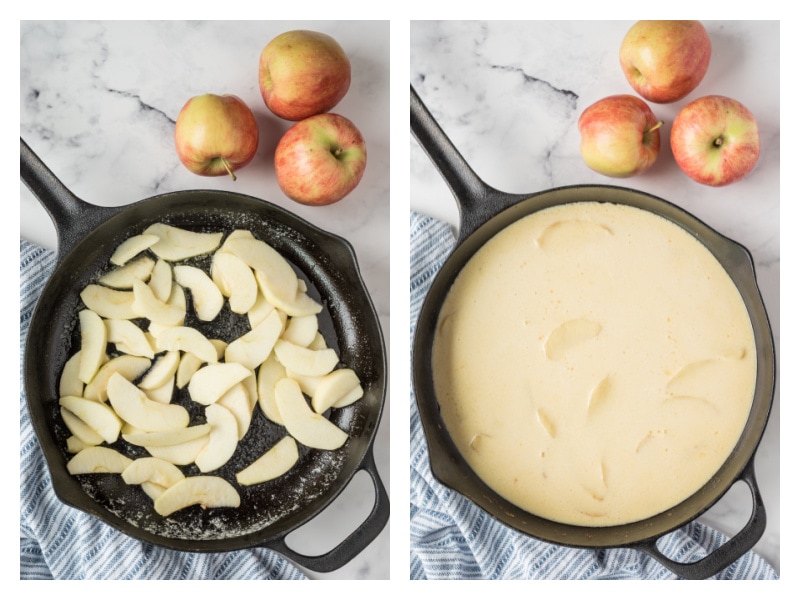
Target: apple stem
<point x="228" y="169"/>
<point x="654" y="127"/>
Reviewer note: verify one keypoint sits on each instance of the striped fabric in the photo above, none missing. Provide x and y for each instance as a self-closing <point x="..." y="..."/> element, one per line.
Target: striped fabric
<point x="453" y="539"/>
<point x="59" y="542"/>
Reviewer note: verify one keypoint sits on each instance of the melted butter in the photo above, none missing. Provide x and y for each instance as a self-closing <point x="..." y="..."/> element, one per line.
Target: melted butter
<point x="594" y="364"/>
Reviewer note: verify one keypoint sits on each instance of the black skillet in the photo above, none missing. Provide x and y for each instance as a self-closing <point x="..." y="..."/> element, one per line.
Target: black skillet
<point x="484" y="211"/>
<point x="87" y="235"/>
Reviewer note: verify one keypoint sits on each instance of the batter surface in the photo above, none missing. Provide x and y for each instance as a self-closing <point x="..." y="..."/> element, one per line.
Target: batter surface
<point x="594" y="364"/>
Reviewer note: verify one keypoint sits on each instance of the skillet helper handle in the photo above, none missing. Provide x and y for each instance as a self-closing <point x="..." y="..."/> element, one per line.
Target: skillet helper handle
<point x="72" y="217"/>
<point x="353" y="544"/>
<point x="731" y="550"/>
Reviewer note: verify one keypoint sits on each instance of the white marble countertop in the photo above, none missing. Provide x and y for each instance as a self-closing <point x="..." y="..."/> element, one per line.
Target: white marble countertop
<point x="98" y="103"/>
<point x="509" y="94"/>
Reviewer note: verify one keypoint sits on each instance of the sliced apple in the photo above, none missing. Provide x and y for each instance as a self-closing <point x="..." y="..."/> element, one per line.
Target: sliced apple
<point x="87" y="435"/>
<point x="253" y="347"/>
<point x="97" y="415"/>
<point x="187" y="339"/>
<point x="180" y="454"/>
<point x="153" y="470"/>
<point x="272" y="464"/>
<point x="122" y="277"/>
<point x="259" y="311"/>
<point x="131" y="247"/>
<point x="93" y="344"/>
<point x="222" y="441"/>
<point x="308" y="383"/>
<point x="172" y="437"/>
<point x="75" y="444"/>
<point x="128" y="337"/>
<point x="235" y="280"/>
<point x="209" y="383"/>
<point x="237" y="401"/>
<point x="130" y="367"/>
<point x="161" y="280"/>
<point x="69" y="384"/>
<point x="302" y="423"/>
<point x="299" y="305"/>
<point x="109" y="303"/>
<point x="278" y="281"/>
<point x="162" y="393"/>
<point x="175" y="244"/>
<point x="98" y="459"/>
<point x="163" y="369"/>
<point x="145" y="304"/>
<point x="338" y="386"/>
<point x="270" y="373"/>
<point x="301" y="330"/>
<point x="134" y="407"/>
<point x="152" y="489"/>
<point x="188" y="366"/>
<point x="304" y="360"/>
<point x="206" y="297"/>
<point x="208" y="491"/>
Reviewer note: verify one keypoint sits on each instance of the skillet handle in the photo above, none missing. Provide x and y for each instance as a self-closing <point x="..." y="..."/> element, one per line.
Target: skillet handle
<point x="72" y="217"/>
<point x="731" y="550"/>
<point x="356" y="541"/>
<point x="477" y="201"/>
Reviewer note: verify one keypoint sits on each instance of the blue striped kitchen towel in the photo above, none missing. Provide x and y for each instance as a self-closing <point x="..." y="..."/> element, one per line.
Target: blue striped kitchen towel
<point x="453" y="539"/>
<point x="59" y="542"/>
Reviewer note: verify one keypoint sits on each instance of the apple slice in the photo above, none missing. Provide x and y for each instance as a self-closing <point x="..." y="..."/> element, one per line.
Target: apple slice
<point x="130" y="367"/>
<point x="237" y="401"/>
<point x="272" y="464"/>
<point x="145" y="304"/>
<point x="122" y="277"/>
<point x="342" y="385"/>
<point x="304" y="360"/>
<point x="209" y="383"/>
<point x="175" y="244"/>
<point x="161" y="280"/>
<point x="131" y="247"/>
<point x="109" y="303"/>
<point x="301" y="330"/>
<point x="208" y="491"/>
<point x="187" y="339"/>
<point x="69" y="384"/>
<point x="162" y="370"/>
<point x="188" y="366"/>
<point x="180" y="454"/>
<point x="93" y="344"/>
<point x="128" y="338"/>
<point x="153" y="470"/>
<point x="97" y="415"/>
<point x="302" y="423"/>
<point x="167" y="438"/>
<point x="152" y="489"/>
<point x="255" y="346"/>
<point x="134" y="407"/>
<point x="222" y="441"/>
<point x="162" y="393"/>
<point x="75" y="444"/>
<point x="308" y="383"/>
<point x="278" y="281"/>
<point x="270" y="373"/>
<point x="259" y="311"/>
<point x="98" y="459"/>
<point x="87" y="435"/>
<point x="206" y="297"/>
<point x="236" y="280"/>
<point x="300" y="305"/>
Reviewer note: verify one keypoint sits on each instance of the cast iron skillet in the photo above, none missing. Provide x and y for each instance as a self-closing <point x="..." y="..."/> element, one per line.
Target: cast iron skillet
<point x="484" y="211"/>
<point x="87" y="235"/>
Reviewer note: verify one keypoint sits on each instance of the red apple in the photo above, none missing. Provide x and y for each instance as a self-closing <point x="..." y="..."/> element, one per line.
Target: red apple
<point x="320" y="160"/>
<point x="216" y="135"/>
<point x="665" y="60"/>
<point x="303" y="73"/>
<point x="620" y="136"/>
<point x="715" y="140"/>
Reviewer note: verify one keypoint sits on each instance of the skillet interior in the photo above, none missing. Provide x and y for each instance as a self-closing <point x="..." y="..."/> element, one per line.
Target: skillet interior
<point x="448" y="465"/>
<point x="348" y="322"/>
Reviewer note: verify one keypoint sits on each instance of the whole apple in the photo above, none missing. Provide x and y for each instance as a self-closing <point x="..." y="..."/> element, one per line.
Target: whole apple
<point x="320" y="160"/>
<point x="216" y="135"/>
<point x="303" y="73"/>
<point x="715" y="140"/>
<point x="620" y="136"/>
<point x="665" y="60"/>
